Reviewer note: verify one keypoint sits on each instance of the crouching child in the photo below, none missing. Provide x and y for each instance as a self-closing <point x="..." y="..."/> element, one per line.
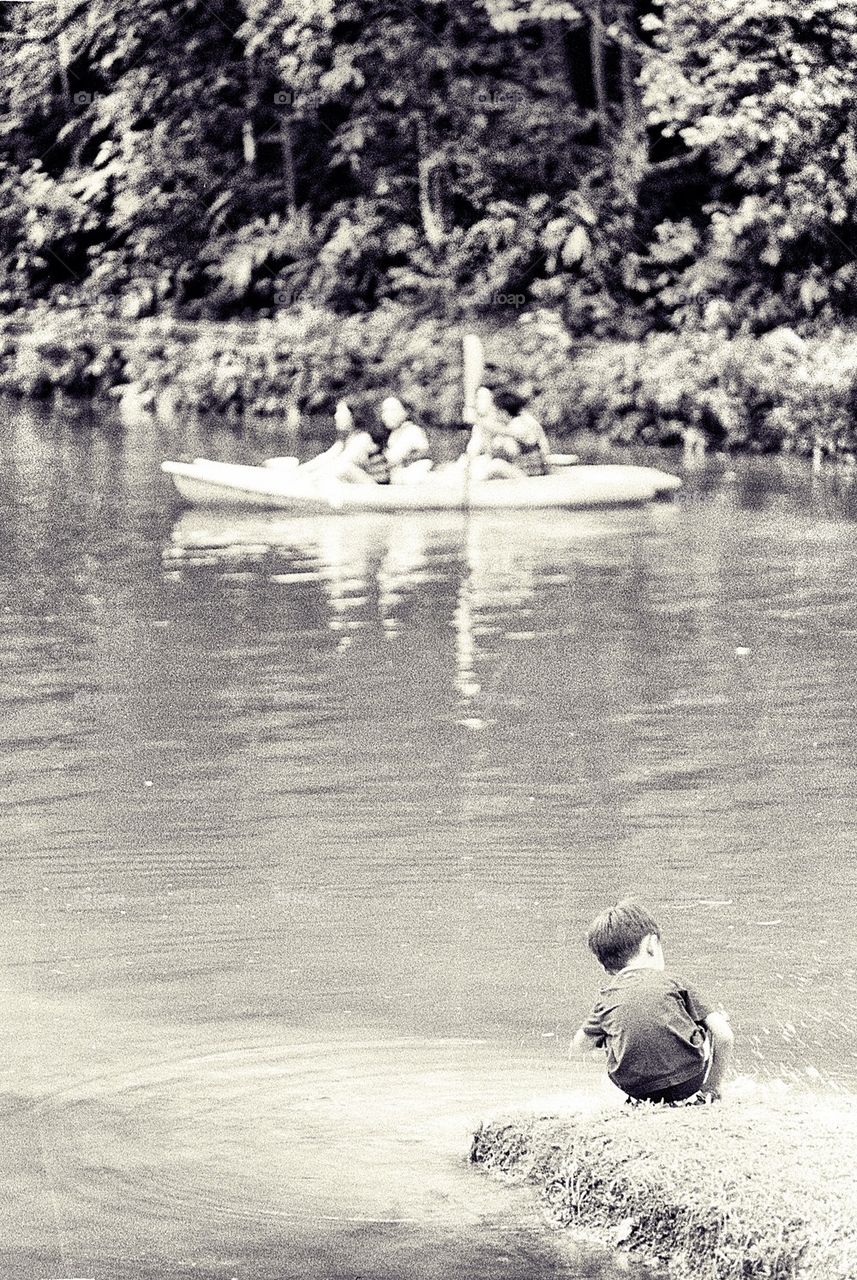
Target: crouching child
<point x="664" y="1041"/>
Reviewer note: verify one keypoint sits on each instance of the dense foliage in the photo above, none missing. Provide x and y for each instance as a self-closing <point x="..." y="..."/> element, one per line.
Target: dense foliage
<point x="630" y="164"/>
<point x="764" y="393"/>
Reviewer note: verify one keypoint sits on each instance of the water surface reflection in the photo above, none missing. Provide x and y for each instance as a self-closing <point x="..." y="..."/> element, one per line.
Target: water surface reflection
<point x="304" y="820"/>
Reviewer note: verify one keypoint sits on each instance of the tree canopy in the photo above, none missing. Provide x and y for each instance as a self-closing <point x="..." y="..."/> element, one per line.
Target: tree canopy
<point x="633" y="164"/>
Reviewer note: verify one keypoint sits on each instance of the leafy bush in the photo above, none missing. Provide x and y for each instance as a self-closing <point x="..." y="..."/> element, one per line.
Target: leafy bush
<point x="762" y="90"/>
<point x="769" y="393"/>
<point x="776" y="392"/>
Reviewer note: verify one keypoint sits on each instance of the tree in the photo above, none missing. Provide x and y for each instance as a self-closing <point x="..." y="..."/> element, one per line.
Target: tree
<point x="765" y="88"/>
<point x="628" y="162"/>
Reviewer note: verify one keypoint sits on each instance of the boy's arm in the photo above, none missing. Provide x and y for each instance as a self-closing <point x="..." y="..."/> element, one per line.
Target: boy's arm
<point x="583" y="1044"/>
<point x="718" y="1025"/>
<point x="722" y="1040"/>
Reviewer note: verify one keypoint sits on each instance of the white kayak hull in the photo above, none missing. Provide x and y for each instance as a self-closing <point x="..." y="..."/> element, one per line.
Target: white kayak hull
<point x="206" y="483"/>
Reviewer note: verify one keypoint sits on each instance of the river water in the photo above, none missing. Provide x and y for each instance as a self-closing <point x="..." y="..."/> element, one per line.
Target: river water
<point x="304" y="821"/>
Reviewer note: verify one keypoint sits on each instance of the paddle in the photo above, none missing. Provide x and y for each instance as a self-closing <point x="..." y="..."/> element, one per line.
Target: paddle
<point x="284" y="463"/>
<point x="473" y="359"/>
<point x="474" y="372"/>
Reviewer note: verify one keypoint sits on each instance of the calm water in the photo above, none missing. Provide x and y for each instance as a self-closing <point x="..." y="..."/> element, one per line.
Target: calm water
<point x="304" y="820"/>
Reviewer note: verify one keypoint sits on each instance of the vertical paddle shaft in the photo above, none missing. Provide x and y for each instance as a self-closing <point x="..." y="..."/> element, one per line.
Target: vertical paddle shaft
<point x="474" y="372"/>
<point x="473" y="358"/>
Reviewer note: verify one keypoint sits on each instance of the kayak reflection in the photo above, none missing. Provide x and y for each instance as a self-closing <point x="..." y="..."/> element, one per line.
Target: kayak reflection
<point x="374" y="569"/>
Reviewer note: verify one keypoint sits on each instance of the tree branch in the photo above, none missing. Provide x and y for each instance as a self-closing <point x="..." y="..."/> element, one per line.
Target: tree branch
<point x="426" y="166"/>
<point x="676" y="162"/>
<point x="596" y="55"/>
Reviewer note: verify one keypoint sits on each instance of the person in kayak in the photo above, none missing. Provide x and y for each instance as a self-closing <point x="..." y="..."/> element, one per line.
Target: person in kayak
<point x="523" y="442"/>
<point x="356" y="455"/>
<point x="502" y="446"/>
<point x="343" y="423"/>
<point x="407" y="449"/>
<point x="481" y="459"/>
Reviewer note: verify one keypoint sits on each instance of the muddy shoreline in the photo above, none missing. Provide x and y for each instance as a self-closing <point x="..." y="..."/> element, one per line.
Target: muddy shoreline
<point x="762" y="1188"/>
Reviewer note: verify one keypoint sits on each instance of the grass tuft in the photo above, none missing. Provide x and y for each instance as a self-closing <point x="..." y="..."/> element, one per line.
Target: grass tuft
<point x="746" y="1190"/>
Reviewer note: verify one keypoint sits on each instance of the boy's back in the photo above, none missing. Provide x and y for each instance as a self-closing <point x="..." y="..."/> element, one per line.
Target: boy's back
<point x="651" y="1026"/>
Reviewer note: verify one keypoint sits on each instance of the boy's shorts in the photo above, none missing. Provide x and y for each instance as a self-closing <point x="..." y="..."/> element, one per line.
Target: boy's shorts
<point x="687" y="1088"/>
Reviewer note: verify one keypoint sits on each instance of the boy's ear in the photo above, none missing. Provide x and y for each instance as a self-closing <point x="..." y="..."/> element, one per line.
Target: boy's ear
<point x="650" y="944"/>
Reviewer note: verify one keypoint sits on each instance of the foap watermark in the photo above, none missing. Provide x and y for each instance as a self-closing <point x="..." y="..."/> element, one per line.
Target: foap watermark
<point x="298" y="99"/>
<point x="508" y="299"/>
<point x="500" y="99"/>
<point x="289" y="297"/>
<point x="303" y="900"/>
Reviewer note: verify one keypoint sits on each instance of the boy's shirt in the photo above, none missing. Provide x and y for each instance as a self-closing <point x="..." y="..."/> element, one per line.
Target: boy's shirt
<point x="650" y="1025"/>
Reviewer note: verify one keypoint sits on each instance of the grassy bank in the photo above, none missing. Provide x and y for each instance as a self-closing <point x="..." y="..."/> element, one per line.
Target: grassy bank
<point x="778" y="392"/>
<point x="739" y="1190"/>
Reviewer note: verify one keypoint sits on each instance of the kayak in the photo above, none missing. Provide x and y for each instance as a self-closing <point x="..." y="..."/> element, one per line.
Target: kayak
<point x="205" y="483"/>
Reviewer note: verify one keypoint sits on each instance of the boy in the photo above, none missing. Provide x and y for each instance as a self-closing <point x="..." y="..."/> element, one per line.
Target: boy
<point x="664" y="1042"/>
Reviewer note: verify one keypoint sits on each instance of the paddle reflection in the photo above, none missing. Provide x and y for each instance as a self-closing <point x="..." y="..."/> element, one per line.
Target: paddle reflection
<point x="480" y="571"/>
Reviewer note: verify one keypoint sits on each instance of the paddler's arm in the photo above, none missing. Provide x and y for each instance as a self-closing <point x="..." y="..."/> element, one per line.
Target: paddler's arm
<point x="539" y="434"/>
<point x="477" y="443"/>
<point x="322" y="460"/>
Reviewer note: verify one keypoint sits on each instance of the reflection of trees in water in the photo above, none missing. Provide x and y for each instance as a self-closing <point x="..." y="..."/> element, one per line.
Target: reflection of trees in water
<point x="501" y="565"/>
<point x="626" y="744"/>
<point x="479" y="572"/>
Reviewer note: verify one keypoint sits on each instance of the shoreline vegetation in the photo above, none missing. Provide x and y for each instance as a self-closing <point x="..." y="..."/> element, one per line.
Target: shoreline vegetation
<point x="752" y="1187"/>
<point x="774" y="393"/>
<point x="637" y="206"/>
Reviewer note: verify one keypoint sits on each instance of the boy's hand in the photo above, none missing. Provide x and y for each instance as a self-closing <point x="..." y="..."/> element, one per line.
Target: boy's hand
<point x="718" y="1025"/>
<point x="722" y="1040"/>
<point x="581" y="1045"/>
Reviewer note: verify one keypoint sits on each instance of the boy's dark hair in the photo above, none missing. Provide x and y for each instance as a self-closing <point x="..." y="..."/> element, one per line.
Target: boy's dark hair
<point x="615" y="936"/>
